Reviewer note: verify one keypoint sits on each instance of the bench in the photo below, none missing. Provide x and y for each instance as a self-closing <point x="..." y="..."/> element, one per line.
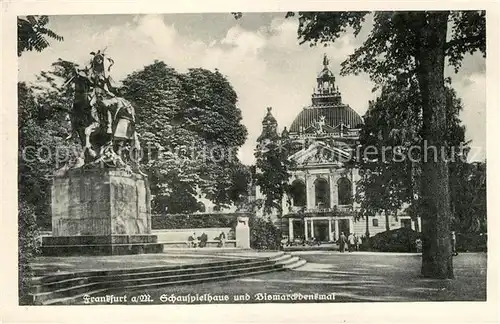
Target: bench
<point x="187" y="244"/>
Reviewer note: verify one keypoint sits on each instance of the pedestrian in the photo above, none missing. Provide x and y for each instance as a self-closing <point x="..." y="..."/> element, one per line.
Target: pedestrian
<point x="342" y="241"/>
<point x="222" y="239"/>
<point x="196" y="240"/>
<point x="358" y="242"/>
<point x="351" y="242"/>
<point x="454" y="243"/>
<point x="418" y="244"/>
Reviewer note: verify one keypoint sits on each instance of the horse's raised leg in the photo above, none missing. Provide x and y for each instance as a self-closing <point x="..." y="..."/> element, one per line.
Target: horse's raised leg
<point x="109" y="130"/>
<point x="88" y="131"/>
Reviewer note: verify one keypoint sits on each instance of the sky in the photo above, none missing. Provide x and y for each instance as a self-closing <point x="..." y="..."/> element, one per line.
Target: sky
<point x="259" y="54"/>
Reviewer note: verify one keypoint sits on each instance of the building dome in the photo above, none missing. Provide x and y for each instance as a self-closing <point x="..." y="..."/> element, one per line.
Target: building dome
<point x="334" y="117"/>
<point x="326" y="106"/>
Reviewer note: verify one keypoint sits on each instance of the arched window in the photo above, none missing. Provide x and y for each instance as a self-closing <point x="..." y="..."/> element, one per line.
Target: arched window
<point x="322" y="193"/>
<point x="345" y="191"/>
<point x="298" y="192"/>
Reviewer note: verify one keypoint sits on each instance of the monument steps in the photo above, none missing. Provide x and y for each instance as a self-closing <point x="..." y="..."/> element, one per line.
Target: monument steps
<point x="143" y="275"/>
<point x="69" y="288"/>
<point x="114" y="272"/>
<point x="137" y="289"/>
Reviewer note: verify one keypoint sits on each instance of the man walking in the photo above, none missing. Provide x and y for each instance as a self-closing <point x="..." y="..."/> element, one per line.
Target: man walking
<point x="342" y="241"/>
<point x="351" y="242"/>
<point x="454" y="243"/>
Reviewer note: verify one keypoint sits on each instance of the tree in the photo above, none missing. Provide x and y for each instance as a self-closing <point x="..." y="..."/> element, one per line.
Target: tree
<point x="190" y="127"/>
<point x="468" y="196"/>
<point x="42" y="146"/>
<point x="272" y="165"/>
<point x="31" y="33"/>
<point x="402" y="45"/>
<point x="392" y="128"/>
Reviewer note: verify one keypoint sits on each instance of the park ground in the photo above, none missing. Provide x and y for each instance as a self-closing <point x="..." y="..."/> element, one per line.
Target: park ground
<point x="352" y="277"/>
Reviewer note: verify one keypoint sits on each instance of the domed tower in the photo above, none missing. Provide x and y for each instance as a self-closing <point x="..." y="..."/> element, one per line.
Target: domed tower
<point x="269" y="127"/>
<point x="327" y="116"/>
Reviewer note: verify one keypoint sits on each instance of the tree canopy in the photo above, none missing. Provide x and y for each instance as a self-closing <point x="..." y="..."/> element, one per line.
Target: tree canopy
<point x="391" y="151"/>
<point x="32" y="32"/>
<point x="193" y="126"/>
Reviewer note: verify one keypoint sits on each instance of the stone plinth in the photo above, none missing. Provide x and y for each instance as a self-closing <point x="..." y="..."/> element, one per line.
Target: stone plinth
<point x="242" y="233"/>
<point x="100" y="211"/>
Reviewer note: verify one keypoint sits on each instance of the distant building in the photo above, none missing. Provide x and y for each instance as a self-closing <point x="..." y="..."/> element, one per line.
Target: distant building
<point x="323" y="136"/>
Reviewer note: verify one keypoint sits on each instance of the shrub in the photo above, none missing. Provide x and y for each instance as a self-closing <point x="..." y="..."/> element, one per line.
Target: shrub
<point x="472" y="242"/>
<point x="28" y="249"/>
<point x="264" y="235"/>
<point x="399" y="240"/>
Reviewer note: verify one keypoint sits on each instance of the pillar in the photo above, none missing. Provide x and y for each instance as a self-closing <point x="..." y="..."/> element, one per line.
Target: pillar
<point x="312" y="227"/>
<point x="412" y="224"/>
<point x="336" y="223"/>
<point x="330" y="237"/>
<point x="351" y="225"/>
<point x="290" y="229"/>
<point x="419" y="220"/>
<point x="242" y="232"/>
<point x="310" y="192"/>
<point x="332" y="192"/>
<point x="306" y="234"/>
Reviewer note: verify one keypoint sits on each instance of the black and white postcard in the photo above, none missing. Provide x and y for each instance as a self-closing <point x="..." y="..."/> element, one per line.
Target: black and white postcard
<point x="250" y="162"/>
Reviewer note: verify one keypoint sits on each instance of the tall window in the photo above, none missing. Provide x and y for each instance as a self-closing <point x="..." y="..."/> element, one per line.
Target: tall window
<point x="322" y="193"/>
<point x="298" y="192"/>
<point x="345" y="191"/>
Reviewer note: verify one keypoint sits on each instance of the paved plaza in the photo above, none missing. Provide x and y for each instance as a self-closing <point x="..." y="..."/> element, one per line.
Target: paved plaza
<point x="352" y="277"/>
<point x="170" y="257"/>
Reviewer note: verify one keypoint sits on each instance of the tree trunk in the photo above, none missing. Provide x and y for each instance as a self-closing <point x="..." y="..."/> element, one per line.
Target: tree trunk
<point x="437" y="259"/>
<point x="367" y="233"/>
<point x="387" y="227"/>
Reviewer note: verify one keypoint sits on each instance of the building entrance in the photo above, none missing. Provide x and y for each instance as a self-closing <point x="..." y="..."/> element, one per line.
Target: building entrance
<point x="344" y="227"/>
<point x="321" y="230"/>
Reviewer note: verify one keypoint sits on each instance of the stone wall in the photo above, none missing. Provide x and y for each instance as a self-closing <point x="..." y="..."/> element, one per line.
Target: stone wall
<point x="181" y="235"/>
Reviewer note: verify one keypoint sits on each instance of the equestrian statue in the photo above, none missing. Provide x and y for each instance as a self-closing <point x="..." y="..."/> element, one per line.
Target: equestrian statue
<point x="103" y="121"/>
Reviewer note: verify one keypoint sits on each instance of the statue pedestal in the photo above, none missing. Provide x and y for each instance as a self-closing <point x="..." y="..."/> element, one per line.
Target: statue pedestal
<point x="242" y="233"/>
<point x="100" y="212"/>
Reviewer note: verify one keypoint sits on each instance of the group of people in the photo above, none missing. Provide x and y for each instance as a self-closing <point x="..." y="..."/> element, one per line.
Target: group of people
<point x="352" y="242"/>
<point x="201" y="241"/>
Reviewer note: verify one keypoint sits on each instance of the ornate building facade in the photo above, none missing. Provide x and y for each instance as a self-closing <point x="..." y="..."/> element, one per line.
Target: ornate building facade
<point x="323" y="137"/>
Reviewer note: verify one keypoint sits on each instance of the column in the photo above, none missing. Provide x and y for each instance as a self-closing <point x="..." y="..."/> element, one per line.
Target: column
<point x="419" y="220"/>
<point x="412" y="224"/>
<point x="332" y="191"/>
<point x="306" y="234"/>
<point x="290" y="229"/>
<point x="312" y="228"/>
<point x="309" y="192"/>
<point x="336" y="223"/>
<point x="334" y="194"/>
<point x="351" y="225"/>
<point x="330" y="237"/>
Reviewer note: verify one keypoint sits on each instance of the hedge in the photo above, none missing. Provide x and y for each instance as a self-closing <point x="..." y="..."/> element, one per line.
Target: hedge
<point x="27" y="251"/>
<point x="181" y="221"/>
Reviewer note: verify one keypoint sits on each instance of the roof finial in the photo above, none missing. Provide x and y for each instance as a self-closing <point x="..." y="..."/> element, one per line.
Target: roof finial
<point x="269" y="109"/>
<point x="326" y="61"/>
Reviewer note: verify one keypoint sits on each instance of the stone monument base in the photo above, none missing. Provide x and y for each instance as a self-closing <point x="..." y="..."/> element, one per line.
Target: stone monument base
<point x="100" y="245"/>
<point x="100" y="212"/>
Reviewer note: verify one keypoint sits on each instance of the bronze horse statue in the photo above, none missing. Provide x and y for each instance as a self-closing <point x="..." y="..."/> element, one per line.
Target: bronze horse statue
<point x="103" y="121"/>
